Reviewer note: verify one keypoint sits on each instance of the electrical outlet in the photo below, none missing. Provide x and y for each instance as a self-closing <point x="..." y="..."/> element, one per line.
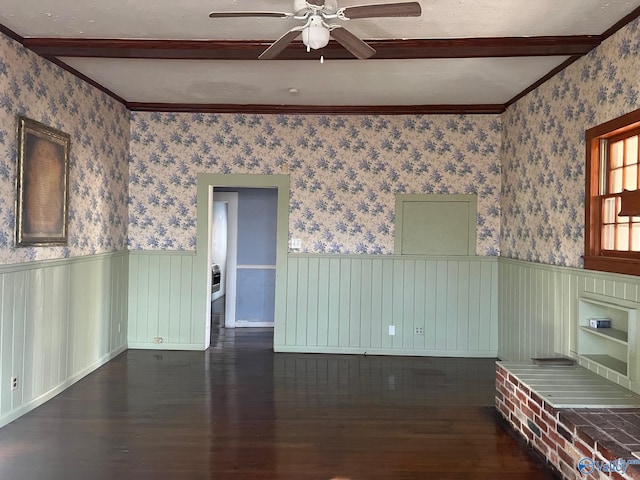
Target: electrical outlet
<point x="419" y="330"/>
<point x="14" y="383"/>
<point x="392" y="330"/>
<point x="158" y="340"/>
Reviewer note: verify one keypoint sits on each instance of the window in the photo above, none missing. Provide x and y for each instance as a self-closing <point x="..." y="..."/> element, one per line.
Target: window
<point x="612" y="241"/>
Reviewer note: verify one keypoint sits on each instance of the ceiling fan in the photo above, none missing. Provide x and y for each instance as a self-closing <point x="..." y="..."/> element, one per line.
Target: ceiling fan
<point x="316" y="31"/>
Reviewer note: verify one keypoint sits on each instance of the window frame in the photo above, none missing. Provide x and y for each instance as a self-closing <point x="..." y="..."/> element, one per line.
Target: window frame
<point x="595" y="257"/>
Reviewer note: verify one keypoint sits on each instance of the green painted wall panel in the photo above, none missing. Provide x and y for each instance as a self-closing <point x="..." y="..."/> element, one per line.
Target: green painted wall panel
<point x="141" y="323"/>
<point x="334" y="303"/>
<point x="387" y="301"/>
<point x="418" y="299"/>
<point x="345" y="302"/>
<point x="452" y="305"/>
<point x="186" y="302"/>
<point x="56" y="322"/>
<point x="164" y="299"/>
<point x="174" y="282"/>
<point x="302" y="301"/>
<point x="464" y="277"/>
<point x="7" y="308"/>
<point x="430" y="304"/>
<point x="20" y="295"/>
<point x="475" y="281"/>
<point x="442" y="286"/>
<point x="397" y="302"/>
<point x="408" y="305"/>
<point x="292" y="302"/>
<point x="366" y="302"/>
<point x="377" y="284"/>
<point x="355" y="298"/>
<point x="312" y="305"/>
<point x="322" y="285"/>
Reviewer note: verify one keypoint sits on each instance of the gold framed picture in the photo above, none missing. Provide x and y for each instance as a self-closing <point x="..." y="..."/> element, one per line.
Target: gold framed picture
<point x="42" y="184"/>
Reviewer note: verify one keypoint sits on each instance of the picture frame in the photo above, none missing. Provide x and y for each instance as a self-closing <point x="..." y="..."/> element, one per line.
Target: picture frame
<point x="42" y="184"/>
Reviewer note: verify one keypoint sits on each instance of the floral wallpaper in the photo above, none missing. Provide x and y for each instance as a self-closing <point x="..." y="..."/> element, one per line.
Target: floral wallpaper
<point x="543" y="159"/>
<point x="527" y="166"/>
<point x="345" y="172"/>
<point x="98" y="175"/>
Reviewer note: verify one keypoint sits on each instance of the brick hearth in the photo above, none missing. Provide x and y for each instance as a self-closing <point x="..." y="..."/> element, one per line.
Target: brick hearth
<point x="565" y="436"/>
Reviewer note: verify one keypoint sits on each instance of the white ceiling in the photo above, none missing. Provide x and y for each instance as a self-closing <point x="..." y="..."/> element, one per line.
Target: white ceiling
<point x="336" y="82"/>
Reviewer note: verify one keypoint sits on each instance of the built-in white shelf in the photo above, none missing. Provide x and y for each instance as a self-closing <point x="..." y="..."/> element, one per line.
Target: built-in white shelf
<point x="608" y="350"/>
<point x="608" y="362"/>
<point x="612" y="334"/>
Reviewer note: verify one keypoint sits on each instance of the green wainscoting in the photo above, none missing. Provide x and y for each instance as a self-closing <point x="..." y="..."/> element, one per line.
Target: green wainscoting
<point x="346" y="303"/>
<point x="161" y="302"/>
<point x="539" y="310"/>
<point x="59" y="321"/>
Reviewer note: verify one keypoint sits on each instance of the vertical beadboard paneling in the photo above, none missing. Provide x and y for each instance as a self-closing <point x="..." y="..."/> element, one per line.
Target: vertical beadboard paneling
<point x="419" y="302"/>
<point x="175" y="297"/>
<point x="164" y="299"/>
<point x="302" y="301"/>
<point x="430" y="305"/>
<point x="442" y="299"/>
<point x="397" y="303"/>
<point x="56" y="319"/>
<point x="388" y="285"/>
<point x="408" y="304"/>
<point x="366" y="303"/>
<point x="355" y="297"/>
<point x="345" y="302"/>
<point x="473" y="330"/>
<point x="323" y="303"/>
<point x="161" y="301"/>
<point x="334" y="302"/>
<point x="377" y="285"/>
<point x="452" y="306"/>
<point x="464" y="277"/>
<point x="312" y="305"/>
<point x="351" y="300"/>
<point x="292" y="301"/>
<point x="539" y="306"/>
<point x="20" y="295"/>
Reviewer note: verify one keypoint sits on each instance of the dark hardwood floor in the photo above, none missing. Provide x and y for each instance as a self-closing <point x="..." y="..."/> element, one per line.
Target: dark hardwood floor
<point x="239" y="411"/>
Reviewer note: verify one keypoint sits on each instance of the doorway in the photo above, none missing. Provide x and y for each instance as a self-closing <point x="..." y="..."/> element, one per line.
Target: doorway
<point x="202" y="272"/>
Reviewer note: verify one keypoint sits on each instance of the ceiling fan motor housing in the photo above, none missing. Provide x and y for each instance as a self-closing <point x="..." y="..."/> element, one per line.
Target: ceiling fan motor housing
<point x="299" y="5"/>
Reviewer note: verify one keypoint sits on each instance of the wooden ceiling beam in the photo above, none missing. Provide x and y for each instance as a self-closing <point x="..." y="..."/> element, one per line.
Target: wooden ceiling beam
<point x="249" y="50"/>
<point x="475" y="109"/>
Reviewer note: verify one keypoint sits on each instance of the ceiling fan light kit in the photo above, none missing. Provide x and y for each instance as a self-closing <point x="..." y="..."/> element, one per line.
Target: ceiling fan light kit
<point x="316" y="35"/>
<point x="316" y="32"/>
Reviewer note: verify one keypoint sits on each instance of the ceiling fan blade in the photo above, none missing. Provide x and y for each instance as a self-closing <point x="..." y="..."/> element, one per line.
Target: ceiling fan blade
<point x="249" y="14"/>
<point x="319" y="3"/>
<point x="276" y="47"/>
<point x="352" y="43"/>
<point x="404" y="9"/>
